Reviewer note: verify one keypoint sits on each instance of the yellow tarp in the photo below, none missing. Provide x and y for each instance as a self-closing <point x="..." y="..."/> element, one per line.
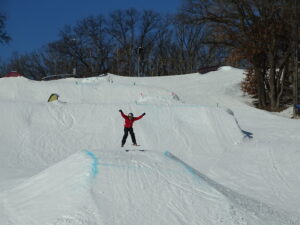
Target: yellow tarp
<point x="53" y="97"/>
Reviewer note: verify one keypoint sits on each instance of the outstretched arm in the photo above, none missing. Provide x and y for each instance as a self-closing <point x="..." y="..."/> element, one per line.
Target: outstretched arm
<point x="122" y="114"/>
<point x="140" y="117"/>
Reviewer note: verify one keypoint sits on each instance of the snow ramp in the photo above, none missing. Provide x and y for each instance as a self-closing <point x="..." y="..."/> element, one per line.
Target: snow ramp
<point x="47" y="133"/>
<point x="154" y="188"/>
<point x="118" y="187"/>
<point x="199" y="135"/>
<point x="57" y="195"/>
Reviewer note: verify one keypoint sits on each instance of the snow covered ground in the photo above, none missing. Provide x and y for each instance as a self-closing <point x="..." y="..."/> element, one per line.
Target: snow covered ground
<point x="210" y="158"/>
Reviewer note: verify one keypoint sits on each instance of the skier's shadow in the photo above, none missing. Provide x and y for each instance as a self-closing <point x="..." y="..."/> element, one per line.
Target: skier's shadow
<point x="248" y="134"/>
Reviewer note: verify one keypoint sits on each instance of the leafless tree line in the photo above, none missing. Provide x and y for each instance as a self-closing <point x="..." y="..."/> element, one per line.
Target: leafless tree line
<point x="126" y="42"/>
<point x="259" y="33"/>
<point x="4" y="37"/>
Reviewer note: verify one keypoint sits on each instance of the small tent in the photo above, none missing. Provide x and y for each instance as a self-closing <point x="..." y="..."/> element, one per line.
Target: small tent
<point x="53" y="97"/>
<point x="13" y="74"/>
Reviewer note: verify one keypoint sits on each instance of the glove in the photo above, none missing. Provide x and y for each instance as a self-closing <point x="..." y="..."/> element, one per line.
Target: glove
<point x="120" y="110"/>
<point x="144" y="114"/>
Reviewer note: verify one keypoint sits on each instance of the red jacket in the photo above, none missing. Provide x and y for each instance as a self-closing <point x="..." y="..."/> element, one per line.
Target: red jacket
<point x="128" y="122"/>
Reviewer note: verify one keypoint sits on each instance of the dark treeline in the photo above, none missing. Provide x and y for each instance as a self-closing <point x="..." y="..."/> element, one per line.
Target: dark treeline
<point x="262" y="34"/>
<point x="126" y="42"/>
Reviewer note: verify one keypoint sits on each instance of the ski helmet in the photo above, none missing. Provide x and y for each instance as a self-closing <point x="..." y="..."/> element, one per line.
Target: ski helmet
<point x="130" y="114"/>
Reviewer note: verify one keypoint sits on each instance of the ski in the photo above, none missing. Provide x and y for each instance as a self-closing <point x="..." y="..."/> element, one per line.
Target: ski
<point x="134" y="150"/>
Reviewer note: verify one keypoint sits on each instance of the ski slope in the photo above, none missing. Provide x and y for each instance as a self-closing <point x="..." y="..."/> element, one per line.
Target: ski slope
<point x="211" y="158"/>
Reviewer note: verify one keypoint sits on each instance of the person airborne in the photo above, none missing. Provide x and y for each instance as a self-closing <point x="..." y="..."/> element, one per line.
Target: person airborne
<point x="129" y="120"/>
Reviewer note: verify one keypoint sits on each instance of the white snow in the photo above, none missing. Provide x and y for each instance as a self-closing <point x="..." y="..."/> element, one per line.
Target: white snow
<point x="210" y="158"/>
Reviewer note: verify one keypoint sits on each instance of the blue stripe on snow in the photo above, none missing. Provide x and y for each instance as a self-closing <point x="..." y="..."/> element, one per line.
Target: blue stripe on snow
<point x="258" y="208"/>
<point x="188" y="168"/>
<point x="95" y="163"/>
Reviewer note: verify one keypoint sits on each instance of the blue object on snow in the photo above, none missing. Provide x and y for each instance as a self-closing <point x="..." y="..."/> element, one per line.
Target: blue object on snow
<point x="95" y="164"/>
<point x="297" y="106"/>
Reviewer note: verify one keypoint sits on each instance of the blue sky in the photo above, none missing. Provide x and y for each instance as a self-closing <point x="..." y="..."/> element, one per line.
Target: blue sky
<point x="34" y="23"/>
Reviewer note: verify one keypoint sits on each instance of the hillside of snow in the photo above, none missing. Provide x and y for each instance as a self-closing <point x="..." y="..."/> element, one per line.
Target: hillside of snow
<point x="209" y="157"/>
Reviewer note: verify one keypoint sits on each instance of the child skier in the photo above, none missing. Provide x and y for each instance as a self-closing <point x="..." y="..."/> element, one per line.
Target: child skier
<point x="129" y="120"/>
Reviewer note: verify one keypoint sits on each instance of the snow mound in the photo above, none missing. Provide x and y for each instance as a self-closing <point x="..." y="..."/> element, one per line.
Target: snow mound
<point x="243" y="210"/>
<point x="94" y="90"/>
<point x="226" y="68"/>
<point x="118" y="187"/>
<point x="55" y="194"/>
<point x="48" y="133"/>
<point x="169" y="99"/>
<point x="150" y="188"/>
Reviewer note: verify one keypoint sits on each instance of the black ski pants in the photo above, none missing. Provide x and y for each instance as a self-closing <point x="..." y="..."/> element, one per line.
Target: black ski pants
<point x="130" y="130"/>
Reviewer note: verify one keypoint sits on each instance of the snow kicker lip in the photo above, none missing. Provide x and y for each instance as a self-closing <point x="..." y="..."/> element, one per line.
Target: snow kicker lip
<point x="259" y="209"/>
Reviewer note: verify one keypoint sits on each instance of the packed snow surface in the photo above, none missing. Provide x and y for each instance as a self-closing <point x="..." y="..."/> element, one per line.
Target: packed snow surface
<point x="209" y="157"/>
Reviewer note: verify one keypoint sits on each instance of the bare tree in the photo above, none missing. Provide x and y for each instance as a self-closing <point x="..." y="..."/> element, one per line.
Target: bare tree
<point x="86" y="45"/>
<point x="4" y="38"/>
<point x="126" y="42"/>
<point x="254" y="30"/>
<point x="123" y="28"/>
<point x="152" y="25"/>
